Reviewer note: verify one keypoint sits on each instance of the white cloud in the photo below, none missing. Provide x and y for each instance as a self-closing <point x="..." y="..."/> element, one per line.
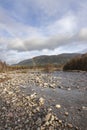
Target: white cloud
<point x="83" y="34"/>
<point x="67" y="24"/>
<point x="51" y="42"/>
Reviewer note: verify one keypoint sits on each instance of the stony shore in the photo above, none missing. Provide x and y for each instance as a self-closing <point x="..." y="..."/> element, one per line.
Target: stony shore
<point x="24" y="108"/>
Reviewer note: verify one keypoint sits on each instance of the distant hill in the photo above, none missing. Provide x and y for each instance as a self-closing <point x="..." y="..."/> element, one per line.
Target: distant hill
<point x="43" y="60"/>
<point x="77" y="63"/>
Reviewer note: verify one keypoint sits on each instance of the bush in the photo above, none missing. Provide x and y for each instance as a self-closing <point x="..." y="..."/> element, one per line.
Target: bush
<point x="78" y="63"/>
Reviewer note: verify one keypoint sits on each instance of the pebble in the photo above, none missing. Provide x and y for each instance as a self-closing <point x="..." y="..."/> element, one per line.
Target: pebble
<point x="46" y="84"/>
<point x="69" y="89"/>
<point x="60" y="121"/>
<point x="70" y="125"/>
<point x="58" y="106"/>
<point x="84" y="108"/>
<point x="39" y="121"/>
<point x="52" y="85"/>
<point x="48" y="116"/>
<point x="41" y="101"/>
<point x="32" y="96"/>
<point x="10" y="115"/>
<point x="49" y="109"/>
<point x="66" y="113"/>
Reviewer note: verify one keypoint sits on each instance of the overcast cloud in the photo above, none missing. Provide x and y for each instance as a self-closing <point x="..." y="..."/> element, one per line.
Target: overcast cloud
<point x="36" y="27"/>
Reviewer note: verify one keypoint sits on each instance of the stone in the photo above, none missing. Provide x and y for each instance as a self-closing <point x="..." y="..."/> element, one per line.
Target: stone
<point x="41" y="85"/>
<point x="39" y="121"/>
<point x="60" y="121"/>
<point x="69" y="89"/>
<point x="41" y="101"/>
<point x="28" y="97"/>
<point x="45" y="84"/>
<point x="49" y="109"/>
<point x="52" y="118"/>
<point x="76" y="128"/>
<point x="38" y="109"/>
<point x="58" y="106"/>
<point x="48" y="117"/>
<point x="78" y="87"/>
<point x="70" y="125"/>
<point x="66" y="113"/>
<point x="84" y="108"/>
<point x="32" y="96"/>
<point x="10" y="115"/>
<point x="51" y="128"/>
<point x="52" y="85"/>
<point x="47" y="123"/>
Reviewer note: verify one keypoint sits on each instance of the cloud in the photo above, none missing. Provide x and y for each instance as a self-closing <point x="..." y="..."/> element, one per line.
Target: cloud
<point x="83" y="34"/>
<point x="31" y="38"/>
<point x="67" y="24"/>
<point x="37" y="43"/>
<point x="50" y="43"/>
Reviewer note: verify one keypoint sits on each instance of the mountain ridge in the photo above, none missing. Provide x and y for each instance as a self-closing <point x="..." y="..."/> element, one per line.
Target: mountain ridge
<point x="48" y="59"/>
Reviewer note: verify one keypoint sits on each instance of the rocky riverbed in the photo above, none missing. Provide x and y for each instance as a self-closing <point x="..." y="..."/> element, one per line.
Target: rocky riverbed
<point x="43" y="101"/>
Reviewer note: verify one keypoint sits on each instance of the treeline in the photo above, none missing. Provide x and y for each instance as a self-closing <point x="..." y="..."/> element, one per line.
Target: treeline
<point x="47" y="68"/>
<point x="77" y="63"/>
<point x="3" y="66"/>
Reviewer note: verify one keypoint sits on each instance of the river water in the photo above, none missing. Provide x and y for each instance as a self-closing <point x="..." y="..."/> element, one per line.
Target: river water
<point x="71" y="96"/>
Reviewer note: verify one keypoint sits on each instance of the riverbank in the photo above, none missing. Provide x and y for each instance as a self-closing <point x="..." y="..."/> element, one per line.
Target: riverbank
<point x="41" y="101"/>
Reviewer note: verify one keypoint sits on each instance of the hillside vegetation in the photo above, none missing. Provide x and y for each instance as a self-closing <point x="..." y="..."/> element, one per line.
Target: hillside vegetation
<point x="77" y="63"/>
<point x="55" y="60"/>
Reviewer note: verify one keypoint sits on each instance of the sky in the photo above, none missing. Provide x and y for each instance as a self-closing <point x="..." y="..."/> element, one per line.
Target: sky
<point x="30" y="28"/>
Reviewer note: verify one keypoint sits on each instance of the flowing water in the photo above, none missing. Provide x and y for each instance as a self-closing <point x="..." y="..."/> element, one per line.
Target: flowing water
<point x="71" y="96"/>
